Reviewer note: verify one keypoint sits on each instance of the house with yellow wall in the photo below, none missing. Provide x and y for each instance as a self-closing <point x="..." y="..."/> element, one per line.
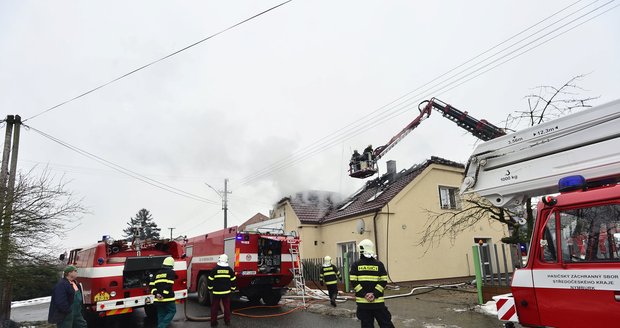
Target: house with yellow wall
<point x="392" y="211"/>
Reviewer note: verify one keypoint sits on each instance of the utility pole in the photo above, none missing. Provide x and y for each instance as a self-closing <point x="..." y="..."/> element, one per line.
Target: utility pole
<point x="171" y="232"/>
<point x="224" y="196"/>
<point x="225" y="203"/>
<point x="6" y="209"/>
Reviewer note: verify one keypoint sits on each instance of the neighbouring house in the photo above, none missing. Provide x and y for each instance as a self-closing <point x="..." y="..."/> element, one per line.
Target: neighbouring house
<point x="262" y="222"/>
<point x="391" y="210"/>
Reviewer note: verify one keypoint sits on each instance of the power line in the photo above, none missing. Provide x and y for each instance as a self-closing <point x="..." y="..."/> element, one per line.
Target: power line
<point x="406" y="104"/>
<point x="156" y="61"/>
<point x="123" y="170"/>
<point x="193" y="228"/>
<point x="379" y="110"/>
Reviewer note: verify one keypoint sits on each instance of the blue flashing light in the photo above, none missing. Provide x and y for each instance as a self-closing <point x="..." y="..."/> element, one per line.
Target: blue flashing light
<point x="570" y="183"/>
<point x="100" y="260"/>
<point x="239" y="237"/>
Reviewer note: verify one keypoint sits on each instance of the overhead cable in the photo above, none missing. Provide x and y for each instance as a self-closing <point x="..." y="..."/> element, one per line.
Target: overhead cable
<point x="411" y="102"/>
<point x="125" y="171"/>
<point x="155" y="61"/>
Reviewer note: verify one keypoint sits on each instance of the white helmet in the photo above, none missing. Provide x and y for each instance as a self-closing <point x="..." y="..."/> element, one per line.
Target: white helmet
<point x="327" y="261"/>
<point x="222" y="260"/>
<point x="367" y="248"/>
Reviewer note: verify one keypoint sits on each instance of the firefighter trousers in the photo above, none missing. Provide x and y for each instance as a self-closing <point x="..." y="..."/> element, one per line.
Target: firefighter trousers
<point x="368" y="316"/>
<point x="215" y="306"/>
<point x="333" y="292"/>
<point x="74" y="319"/>
<point x="165" y="313"/>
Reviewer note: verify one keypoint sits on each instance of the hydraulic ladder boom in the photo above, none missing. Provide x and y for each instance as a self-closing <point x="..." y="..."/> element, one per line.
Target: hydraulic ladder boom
<point x="530" y="162"/>
<point x="479" y="128"/>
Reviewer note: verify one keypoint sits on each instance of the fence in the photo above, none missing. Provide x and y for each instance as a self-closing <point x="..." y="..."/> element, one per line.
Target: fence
<point x="312" y="267"/>
<point x="496" y="272"/>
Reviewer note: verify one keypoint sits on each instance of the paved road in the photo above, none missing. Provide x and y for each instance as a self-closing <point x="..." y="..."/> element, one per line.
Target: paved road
<point x="439" y="309"/>
<point x="298" y="318"/>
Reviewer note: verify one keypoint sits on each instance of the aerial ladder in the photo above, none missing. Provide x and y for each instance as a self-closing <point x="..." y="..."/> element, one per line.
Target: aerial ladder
<point x="530" y="162"/>
<point x="366" y="165"/>
<point x="571" y="276"/>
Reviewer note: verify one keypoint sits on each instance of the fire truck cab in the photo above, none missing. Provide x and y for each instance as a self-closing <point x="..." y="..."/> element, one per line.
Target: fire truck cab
<point x="115" y="274"/>
<point x="572" y="275"/>
<point x="263" y="262"/>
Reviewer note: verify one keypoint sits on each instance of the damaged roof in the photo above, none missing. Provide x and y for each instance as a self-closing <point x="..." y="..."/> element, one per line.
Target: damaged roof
<point x="310" y="206"/>
<point x="376" y="193"/>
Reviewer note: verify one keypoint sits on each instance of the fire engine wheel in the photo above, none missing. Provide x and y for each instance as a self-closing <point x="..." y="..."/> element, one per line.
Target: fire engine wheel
<point x="204" y="297"/>
<point x="272" y="297"/>
<point x="509" y="325"/>
<point x="254" y="299"/>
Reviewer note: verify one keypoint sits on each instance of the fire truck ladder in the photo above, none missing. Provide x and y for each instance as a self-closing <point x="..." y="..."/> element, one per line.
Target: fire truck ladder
<point x="298" y="271"/>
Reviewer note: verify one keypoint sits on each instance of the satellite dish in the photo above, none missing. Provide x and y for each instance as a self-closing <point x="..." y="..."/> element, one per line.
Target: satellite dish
<point x="360" y="226"/>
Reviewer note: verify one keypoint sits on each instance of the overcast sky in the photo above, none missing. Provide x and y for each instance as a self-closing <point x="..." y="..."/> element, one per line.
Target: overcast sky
<point x="268" y="90"/>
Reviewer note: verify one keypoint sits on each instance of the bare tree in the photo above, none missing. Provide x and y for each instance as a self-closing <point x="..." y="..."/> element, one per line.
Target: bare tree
<point x="41" y="208"/>
<point x="544" y="104"/>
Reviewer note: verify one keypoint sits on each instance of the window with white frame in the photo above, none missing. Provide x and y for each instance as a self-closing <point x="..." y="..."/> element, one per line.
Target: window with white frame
<point x="449" y="197"/>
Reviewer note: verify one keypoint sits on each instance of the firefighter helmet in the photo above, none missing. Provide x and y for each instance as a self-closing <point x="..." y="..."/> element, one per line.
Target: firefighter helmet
<point x="327" y="261"/>
<point x="222" y="260"/>
<point x="367" y="248"/>
<point x="169" y="261"/>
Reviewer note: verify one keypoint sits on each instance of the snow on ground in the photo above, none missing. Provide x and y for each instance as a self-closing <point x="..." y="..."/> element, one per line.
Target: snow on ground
<point x="488" y="308"/>
<point x="34" y="301"/>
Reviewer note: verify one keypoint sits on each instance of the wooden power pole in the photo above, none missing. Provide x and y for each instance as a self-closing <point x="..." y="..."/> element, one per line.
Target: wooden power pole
<point x="13" y="124"/>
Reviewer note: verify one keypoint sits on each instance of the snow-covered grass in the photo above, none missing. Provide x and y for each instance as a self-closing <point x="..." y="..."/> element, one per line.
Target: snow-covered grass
<point x="488" y="308"/>
<point x="34" y="301"/>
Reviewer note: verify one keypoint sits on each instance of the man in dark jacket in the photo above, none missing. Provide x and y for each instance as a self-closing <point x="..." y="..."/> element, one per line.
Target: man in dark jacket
<point x="330" y="276"/>
<point x="66" y="304"/>
<point x="161" y="287"/>
<point x="221" y="283"/>
<point x="369" y="278"/>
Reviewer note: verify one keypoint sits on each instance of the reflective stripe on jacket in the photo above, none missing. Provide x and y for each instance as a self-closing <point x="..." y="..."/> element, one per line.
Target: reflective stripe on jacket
<point x="330" y="275"/>
<point x="222" y="280"/>
<point x="368" y="275"/>
<point x="163" y="285"/>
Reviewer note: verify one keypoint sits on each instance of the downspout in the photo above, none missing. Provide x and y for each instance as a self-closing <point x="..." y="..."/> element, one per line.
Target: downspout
<point x="374" y="227"/>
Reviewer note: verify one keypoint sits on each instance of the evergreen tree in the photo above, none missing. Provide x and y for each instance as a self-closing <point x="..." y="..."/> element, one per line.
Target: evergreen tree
<point x="144" y="222"/>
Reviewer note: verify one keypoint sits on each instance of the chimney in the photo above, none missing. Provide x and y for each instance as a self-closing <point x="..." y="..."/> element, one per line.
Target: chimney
<point x="391" y="167"/>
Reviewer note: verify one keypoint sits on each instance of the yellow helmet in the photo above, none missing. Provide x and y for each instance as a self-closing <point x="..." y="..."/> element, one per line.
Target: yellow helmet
<point x="169" y="261"/>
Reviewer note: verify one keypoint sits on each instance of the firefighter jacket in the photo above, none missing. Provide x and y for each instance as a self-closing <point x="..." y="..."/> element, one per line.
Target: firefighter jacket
<point x="162" y="285"/>
<point x="368" y="275"/>
<point x="222" y="280"/>
<point x="330" y="275"/>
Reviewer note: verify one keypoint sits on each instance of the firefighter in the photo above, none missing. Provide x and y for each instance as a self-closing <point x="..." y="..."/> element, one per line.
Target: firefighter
<point x="161" y="287"/>
<point x="367" y="155"/>
<point x="66" y="304"/>
<point x="354" y="163"/>
<point x="369" y="278"/>
<point x="221" y="283"/>
<point x="330" y="276"/>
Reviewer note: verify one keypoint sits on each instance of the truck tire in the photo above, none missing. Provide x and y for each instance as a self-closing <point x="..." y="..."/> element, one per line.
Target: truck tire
<point x="254" y="299"/>
<point x="204" y="297"/>
<point x="272" y="297"/>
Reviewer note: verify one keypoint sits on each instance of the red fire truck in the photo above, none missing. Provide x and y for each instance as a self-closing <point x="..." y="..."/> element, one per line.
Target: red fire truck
<point x="572" y="275"/>
<point x="115" y="274"/>
<point x="264" y="263"/>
